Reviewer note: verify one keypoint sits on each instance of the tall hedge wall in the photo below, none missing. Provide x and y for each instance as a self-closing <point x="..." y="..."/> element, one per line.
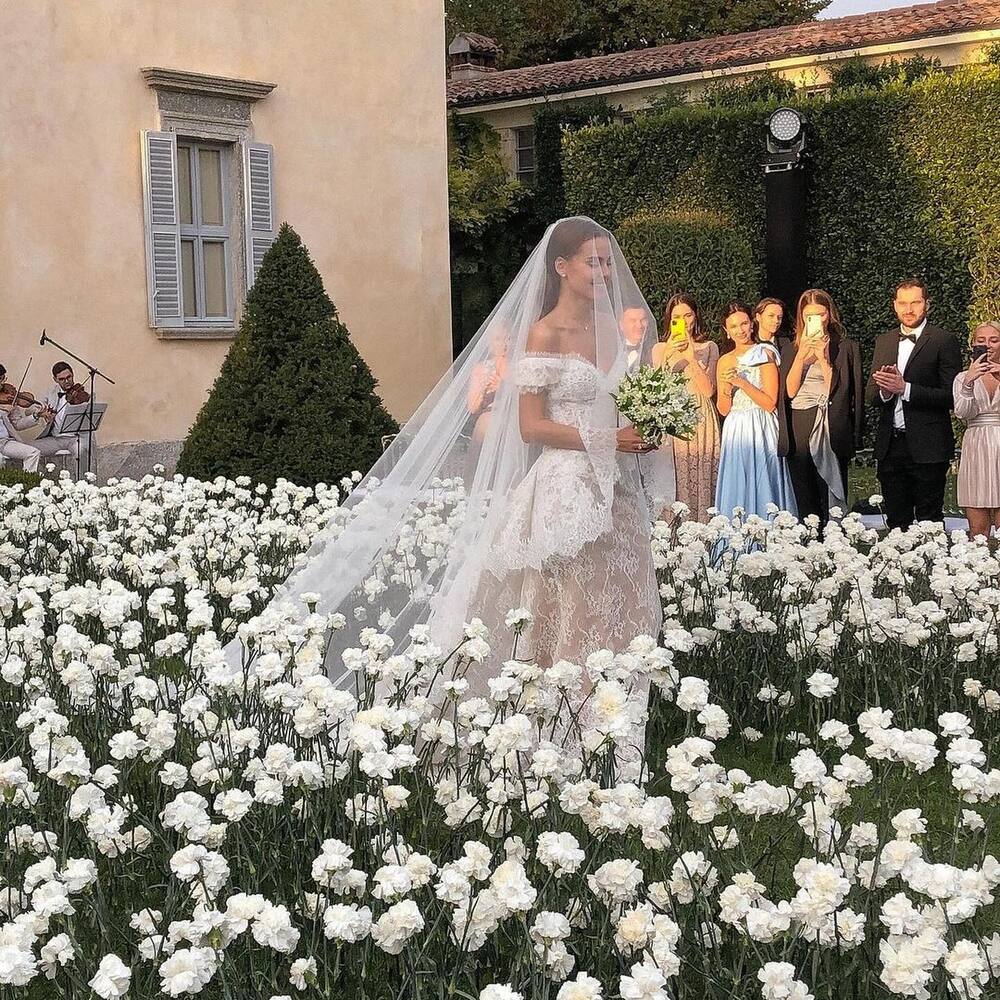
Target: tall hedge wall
<point x="902" y="180"/>
<point x="673" y="250"/>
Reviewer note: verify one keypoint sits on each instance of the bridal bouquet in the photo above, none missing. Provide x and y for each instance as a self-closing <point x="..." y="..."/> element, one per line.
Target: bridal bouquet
<point x="658" y="404"/>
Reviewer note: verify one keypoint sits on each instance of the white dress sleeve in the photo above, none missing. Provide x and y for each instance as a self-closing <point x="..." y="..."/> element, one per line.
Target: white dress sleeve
<point x="760" y="354"/>
<point x="535" y="373"/>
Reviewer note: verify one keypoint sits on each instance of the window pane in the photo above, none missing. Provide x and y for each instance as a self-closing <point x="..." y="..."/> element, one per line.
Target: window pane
<point x="184" y="183"/>
<point x="210" y="179"/>
<point x="187" y="276"/>
<point x="215" y="278"/>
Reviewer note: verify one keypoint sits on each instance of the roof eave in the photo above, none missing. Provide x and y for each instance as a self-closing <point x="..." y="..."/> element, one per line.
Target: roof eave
<point x="534" y="93"/>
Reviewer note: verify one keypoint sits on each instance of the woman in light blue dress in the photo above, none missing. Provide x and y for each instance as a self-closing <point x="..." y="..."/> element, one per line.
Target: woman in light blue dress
<point x="751" y="473"/>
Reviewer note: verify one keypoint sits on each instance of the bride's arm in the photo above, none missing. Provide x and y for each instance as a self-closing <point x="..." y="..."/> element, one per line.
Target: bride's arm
<point x="536" y="428"/>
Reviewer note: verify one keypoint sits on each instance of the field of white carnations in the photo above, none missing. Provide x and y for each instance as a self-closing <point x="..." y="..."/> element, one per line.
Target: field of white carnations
<point x="815" y="816"/>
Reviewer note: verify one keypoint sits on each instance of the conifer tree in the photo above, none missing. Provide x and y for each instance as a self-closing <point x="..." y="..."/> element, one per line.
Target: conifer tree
<point x="294" y="398"/>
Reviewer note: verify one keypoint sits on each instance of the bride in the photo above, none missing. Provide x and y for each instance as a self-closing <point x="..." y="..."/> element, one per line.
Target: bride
<point x="554" y="514"/>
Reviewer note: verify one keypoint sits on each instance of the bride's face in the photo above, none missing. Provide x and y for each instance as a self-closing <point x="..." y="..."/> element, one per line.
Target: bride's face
<point x="588" y="269"/>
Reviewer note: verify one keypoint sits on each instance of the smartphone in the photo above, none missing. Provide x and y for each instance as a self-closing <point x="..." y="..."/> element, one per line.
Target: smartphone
<point x="978" y="351"/>
<point x="678" y="330"/>
<point x="814" y="327"/>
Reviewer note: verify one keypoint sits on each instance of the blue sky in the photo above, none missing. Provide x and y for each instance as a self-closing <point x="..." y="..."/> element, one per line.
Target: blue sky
<point x="839" y="8"/>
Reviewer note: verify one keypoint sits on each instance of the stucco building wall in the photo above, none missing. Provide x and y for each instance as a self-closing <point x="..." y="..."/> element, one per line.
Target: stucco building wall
<point x="357" y="122"/>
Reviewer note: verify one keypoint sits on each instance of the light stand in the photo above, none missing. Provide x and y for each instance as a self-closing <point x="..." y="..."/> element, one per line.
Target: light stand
<point x="785" y="205"/>
<point x="92" y="374"/>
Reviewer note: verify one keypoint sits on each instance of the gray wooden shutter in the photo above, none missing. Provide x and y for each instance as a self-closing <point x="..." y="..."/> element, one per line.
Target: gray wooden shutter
<point x="163" y="228"/>
<point x="258" y="196"/>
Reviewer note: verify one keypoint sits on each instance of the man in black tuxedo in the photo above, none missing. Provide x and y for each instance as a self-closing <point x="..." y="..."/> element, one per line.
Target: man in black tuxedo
<point x="912" y="375"/>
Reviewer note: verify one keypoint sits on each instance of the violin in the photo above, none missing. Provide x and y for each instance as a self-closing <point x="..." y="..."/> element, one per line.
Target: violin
<point x="76" y="394"/>
<point x="10" y="395"/>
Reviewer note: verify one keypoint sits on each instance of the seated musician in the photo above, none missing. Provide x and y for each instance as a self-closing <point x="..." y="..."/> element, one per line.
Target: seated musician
<point x="16" y="415"/>
<point x="66" y="391"/>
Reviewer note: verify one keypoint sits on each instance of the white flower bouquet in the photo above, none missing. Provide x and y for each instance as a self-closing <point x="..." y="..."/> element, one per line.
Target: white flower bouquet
<point x="658" y="404"/>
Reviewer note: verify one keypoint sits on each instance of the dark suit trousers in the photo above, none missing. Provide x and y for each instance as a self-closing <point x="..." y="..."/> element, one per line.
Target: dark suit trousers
<point x="912" y="491"/>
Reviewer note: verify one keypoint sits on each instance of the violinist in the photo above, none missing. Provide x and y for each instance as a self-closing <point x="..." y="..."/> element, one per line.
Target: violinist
<point x="66" y="392"/>
<point x="15" y="418"/>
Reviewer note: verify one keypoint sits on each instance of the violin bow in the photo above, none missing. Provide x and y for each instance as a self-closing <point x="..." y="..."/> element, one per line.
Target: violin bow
<point x="20" y="386"/>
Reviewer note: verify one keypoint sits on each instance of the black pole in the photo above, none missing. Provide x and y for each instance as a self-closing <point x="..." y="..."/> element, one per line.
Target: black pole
<point x="786" y="245"/>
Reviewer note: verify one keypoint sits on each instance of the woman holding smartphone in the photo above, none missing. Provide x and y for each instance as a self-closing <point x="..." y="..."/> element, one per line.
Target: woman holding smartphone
<point x="751" y="473"/>
<point x="684" y="348"/>
<point x="823" y="416"/>
<point x="977" y="402"/>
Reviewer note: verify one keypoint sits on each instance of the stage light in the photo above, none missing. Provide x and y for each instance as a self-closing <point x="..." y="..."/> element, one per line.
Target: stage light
<point x="784" y="126"/>
<point x="785" y="139"/>
<point x="785" y="191"/>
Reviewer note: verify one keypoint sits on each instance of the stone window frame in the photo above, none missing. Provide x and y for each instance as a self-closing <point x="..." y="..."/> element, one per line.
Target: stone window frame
<point x="216" y="109"/>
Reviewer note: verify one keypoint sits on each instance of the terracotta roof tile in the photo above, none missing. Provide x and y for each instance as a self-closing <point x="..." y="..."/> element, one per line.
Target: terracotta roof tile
<point x="809" y="37"/>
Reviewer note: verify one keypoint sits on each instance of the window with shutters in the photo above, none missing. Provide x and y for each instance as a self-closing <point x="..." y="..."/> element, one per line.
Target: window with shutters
<point x="205" y="218"/>
<point x="209" y="221"/>
<point x="208" y="190"/>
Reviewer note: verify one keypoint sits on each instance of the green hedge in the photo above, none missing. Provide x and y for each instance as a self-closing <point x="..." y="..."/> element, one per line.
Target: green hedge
<point x="552" y="121"/>
<point x="496" y="222"/>
<point x="903" y="180"/>
<point x="12" y="476"/>
<point x="674" y="250"/>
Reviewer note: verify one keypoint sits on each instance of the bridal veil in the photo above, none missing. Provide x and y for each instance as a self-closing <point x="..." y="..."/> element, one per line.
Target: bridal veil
<point x="417" y="538"/>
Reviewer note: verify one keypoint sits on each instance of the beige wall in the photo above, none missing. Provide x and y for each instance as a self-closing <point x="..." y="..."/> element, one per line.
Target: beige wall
<point x="357" y="121"/>
<point x="805" y="72"/>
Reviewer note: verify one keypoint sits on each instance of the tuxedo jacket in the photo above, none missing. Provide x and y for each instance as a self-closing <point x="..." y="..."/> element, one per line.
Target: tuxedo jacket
<point x="934" y="362"/>
<point x="847" y="404"/>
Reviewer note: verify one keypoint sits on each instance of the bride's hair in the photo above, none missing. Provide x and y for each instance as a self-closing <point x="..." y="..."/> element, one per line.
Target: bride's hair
<point x="566" y="238"/>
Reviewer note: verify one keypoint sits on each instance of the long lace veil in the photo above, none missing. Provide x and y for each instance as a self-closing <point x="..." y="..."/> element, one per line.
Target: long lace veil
<point x="413" y="541"/>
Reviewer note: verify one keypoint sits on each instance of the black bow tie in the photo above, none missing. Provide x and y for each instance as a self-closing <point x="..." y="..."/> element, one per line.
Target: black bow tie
<point x="911" y="337"/>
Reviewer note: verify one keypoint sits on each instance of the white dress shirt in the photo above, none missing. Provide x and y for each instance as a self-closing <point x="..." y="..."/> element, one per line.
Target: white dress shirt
<point x="903" y="353"/>
<point x="55" y="400"/>
<point x="633" y="359"/>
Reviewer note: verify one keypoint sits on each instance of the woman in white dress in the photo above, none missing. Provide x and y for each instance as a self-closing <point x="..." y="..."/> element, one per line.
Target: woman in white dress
<point x="574" y="546"/>
<point x="555" y="510"/>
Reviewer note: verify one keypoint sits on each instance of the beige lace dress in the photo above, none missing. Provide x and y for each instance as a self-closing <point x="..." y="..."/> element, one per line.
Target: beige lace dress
<point x="696" y="462"/>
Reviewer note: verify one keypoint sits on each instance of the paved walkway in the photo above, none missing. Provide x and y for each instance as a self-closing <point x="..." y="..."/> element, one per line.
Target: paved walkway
<point x="950" y="523"/>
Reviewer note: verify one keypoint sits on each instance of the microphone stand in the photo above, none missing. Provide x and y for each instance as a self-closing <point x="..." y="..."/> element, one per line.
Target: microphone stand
<point x="92" y="375"/>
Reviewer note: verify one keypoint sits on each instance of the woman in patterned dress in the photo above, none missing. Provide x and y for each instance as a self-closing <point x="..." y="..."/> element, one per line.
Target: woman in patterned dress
<point x="685" y="348"/>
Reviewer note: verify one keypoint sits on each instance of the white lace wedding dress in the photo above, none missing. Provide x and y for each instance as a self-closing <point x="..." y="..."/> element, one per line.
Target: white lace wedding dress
<point x="586" y="576"/>
<point x="563" y="533"/>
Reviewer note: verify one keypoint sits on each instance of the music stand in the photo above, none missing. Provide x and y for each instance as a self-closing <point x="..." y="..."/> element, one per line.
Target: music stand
<point x="79" y="420"/>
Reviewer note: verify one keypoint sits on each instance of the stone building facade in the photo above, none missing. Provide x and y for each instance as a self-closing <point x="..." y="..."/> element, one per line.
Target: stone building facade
<point x="150" y="151"/>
